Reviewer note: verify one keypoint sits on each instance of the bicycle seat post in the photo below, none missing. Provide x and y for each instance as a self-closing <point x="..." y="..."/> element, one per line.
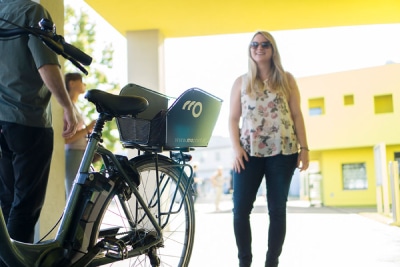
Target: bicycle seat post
<point x="94" y="139"/>
<point x="100" y="122"/>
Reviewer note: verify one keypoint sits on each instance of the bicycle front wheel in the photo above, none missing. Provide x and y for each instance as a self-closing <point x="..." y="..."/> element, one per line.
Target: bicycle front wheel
<point x="169" y="198"/>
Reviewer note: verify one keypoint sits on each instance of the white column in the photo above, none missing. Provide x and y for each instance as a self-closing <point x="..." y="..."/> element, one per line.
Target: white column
<point x="145" y="62"/>
<point x="146" y="59"/>
<point x="55" y="196"/>
<point x="382" y="179"/>
<point x="395" y="191"/>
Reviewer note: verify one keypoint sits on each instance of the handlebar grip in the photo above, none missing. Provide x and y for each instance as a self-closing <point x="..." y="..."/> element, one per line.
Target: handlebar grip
<point x="77" y="54"/>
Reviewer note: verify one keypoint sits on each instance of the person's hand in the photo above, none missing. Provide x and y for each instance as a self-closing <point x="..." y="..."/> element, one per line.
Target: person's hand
<point x="240" y="157"/>
<point x="90" y="126"/>
<point x="70" y="123"/>
<point x="303" y="160"/>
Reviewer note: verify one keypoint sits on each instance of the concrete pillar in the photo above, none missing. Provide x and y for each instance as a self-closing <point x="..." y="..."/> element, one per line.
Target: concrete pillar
<point x="146" y="59"/>
<point x="55" y="196"/>
<point x="146" y="62"/>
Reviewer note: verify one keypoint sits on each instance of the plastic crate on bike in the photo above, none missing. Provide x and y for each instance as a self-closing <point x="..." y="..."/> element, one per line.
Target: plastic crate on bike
<point x="188" y="122"/>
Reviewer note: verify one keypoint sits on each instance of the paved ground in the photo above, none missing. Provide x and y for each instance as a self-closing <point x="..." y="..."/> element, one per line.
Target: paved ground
<point x="316" y="237"/>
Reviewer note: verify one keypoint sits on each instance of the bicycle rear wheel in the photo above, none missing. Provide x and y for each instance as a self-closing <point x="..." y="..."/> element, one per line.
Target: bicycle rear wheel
<point x="171" y="202"/>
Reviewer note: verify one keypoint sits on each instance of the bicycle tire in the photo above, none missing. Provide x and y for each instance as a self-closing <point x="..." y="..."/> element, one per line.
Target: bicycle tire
<point x="178" y="231"/>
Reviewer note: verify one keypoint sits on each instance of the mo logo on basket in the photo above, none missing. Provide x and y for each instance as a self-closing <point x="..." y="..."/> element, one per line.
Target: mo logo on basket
<point x="194" y="106"/>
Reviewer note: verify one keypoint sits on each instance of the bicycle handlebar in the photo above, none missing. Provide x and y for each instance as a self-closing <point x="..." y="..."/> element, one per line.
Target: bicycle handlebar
<point x="47" y="34"/>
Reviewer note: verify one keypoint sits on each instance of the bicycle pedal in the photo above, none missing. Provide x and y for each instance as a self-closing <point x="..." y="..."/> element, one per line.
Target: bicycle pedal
<point x="115" y="248"/>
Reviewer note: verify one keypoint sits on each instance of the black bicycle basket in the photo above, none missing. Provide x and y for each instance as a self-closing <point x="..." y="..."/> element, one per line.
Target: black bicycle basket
<point x="188" y="122"/>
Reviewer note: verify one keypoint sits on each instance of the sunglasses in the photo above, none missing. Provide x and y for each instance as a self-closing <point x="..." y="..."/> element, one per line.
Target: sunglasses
<point x="263" y="44"/>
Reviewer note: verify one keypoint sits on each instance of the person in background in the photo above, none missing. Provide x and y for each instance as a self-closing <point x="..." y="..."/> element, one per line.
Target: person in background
<point x="195" y="183"/>
<point x="217" y="181"/>
<point x="30" y="74"/>
<point x="271" y="141"/>
<point x="230" y="181"/>
<point x="75" y="145"/>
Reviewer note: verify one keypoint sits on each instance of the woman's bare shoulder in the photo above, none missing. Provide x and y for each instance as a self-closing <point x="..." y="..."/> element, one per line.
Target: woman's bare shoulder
<point x="239" y="81"/>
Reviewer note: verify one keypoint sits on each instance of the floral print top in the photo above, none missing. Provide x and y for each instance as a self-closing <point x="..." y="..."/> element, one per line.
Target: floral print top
<point x="267" y="124"/>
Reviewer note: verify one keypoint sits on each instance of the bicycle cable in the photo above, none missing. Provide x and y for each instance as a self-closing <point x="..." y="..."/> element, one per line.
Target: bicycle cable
<point x="51" y="230"/>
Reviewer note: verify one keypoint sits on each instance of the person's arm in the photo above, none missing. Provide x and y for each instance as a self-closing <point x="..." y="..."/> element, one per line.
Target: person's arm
<point x="80" y="133"/>
<point x="297" y="115"/>
<point x="234" y="118"/>
<point x="51" y="76"/>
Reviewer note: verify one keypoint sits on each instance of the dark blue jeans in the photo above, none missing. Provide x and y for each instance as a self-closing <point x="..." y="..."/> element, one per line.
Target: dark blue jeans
<point x="278" y="171"/>
<point x="24" y="172"/>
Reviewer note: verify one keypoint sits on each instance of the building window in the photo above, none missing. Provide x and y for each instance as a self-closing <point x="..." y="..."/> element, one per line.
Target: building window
<point x="383" y="104"/>
<point x="316" y="106"/>
<point x="354" y="176"/>
<point x="348" y="100"/>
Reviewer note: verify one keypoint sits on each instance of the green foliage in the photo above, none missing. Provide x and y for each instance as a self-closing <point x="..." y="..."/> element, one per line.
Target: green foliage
<point x="80" y="31"/>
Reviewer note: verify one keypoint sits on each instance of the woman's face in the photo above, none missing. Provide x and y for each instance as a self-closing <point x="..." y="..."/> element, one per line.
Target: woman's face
<point x="77" y="86"/>
<point x="261" y="49"/>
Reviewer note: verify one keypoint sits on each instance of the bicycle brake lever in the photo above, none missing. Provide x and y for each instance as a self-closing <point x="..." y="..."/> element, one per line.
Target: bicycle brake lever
<point x="58" y="45"/>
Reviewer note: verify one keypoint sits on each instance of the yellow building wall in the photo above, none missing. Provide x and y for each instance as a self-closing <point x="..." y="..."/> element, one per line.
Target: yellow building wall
<point x="357" y="125"/>
<point x="332" y="178"/>
<point x="349" y="127"/>
<point x="331" y="161"/>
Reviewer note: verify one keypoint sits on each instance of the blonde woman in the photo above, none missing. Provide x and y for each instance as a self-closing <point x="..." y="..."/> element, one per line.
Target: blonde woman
<point x="270" y="142"/>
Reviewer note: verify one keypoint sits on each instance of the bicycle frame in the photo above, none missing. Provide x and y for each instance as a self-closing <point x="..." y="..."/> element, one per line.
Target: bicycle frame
<point x="16" y="253"/>
<point x="61" y="249"/>
<point x="77" y="239"/>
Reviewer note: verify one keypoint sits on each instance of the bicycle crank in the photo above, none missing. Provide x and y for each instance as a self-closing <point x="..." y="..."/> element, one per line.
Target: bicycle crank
<point x="154" y="259"/>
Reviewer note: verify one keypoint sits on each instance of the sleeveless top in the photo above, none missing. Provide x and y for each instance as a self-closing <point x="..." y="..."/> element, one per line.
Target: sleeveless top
<point x="267" y="124"/>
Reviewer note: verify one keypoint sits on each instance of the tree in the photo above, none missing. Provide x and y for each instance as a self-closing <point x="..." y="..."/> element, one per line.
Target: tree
<point x="80" y="31"/>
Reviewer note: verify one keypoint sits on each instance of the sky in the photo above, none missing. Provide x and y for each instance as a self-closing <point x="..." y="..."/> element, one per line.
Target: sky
<point x="212" y="63"/>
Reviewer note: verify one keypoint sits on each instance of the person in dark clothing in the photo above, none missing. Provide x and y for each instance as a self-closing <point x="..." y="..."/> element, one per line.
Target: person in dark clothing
<point x="30" y="74"/>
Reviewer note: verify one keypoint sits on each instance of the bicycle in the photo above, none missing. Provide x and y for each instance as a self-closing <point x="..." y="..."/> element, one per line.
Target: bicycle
<point x="138" y="211"/>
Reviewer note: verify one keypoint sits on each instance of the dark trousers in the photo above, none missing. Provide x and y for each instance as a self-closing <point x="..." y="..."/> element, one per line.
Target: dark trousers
<point x="24" y="172"/>
<point x="278" y="171"/>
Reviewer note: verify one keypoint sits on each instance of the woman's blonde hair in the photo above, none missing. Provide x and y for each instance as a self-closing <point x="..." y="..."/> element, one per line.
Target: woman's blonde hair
<point x="278" y="79"/>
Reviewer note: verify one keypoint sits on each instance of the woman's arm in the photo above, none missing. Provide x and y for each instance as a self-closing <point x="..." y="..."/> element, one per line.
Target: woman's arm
<point x="234" y="118"/>
<point x="80" y="133"/>
<point x="297" y="116"/>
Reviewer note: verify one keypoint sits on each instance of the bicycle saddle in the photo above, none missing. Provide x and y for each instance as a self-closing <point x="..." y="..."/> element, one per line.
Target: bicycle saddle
<point x="116" y="105"/>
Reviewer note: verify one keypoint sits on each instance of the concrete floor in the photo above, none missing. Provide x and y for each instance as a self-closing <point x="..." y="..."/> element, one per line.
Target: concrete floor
<point x="316" y="236"/>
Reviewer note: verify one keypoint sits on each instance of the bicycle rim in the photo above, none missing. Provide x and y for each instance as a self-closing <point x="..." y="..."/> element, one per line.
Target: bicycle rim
<point x="177" y="227"/>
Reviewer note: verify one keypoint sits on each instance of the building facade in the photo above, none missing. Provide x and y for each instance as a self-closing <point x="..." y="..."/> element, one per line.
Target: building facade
<point x="347" y="115"/>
